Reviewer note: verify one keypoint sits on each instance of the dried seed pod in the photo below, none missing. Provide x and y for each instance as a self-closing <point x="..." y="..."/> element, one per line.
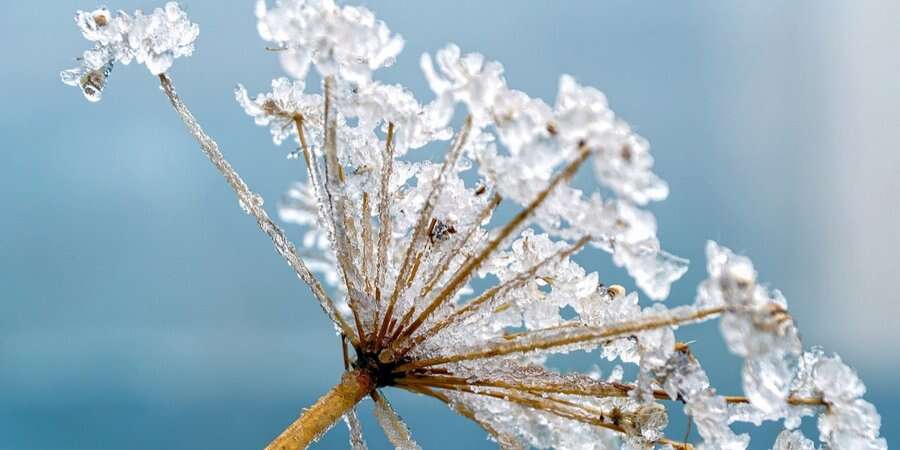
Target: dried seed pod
<point x="616" y="291"/>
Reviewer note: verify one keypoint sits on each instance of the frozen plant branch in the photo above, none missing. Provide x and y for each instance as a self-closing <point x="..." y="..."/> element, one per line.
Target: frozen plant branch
<point x="251" y="203"/>
<point x="398" y="240"/>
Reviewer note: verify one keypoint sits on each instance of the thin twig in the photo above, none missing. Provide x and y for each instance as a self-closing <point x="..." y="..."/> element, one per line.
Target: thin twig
<point x="367" y="243"/>
<point x="462" y="275"/>
<point x="583" y="335"/>
<point x="384" y="218"/>
<point x="506" y="441"/>
<point x="334" y="183"/>
<point x="394" y="427"/>
<point x="253" y="205"/>
<point x="559" y="408"/>
<point x="450" y="159"/>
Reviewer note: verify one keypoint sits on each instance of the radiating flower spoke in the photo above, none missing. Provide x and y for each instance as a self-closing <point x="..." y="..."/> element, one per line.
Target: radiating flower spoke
<point x="394" y="427"/>
<point x="357" y="442"/>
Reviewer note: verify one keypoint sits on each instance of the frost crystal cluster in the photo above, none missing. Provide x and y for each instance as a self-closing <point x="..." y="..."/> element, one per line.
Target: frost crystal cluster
<point x="154" y="40"/>
<point x="403" y="242"/>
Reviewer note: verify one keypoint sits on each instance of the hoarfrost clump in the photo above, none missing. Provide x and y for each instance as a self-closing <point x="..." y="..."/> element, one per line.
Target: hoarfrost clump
<point x="154" y="40"/>
<point x="400" y="239"/>
<point x="346" y="41"/>
<point x="278" y="108"/>
<point x="755" y="326"/>
<point x="850" y="422"/>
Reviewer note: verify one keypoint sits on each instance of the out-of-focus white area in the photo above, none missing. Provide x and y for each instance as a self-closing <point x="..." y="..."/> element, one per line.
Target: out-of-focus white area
<point x="815" y="165"/>
<point x="861" y="199"/>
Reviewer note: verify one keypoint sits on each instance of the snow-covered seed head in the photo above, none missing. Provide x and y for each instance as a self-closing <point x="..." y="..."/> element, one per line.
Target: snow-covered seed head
<point x="401" y="239"/>
<point x="154" y="40"/>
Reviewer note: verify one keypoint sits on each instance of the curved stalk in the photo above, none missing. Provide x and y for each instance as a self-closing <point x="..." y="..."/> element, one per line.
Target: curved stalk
<point x="318" y="418"/>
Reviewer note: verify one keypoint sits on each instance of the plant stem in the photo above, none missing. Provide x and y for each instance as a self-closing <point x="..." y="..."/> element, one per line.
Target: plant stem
<point x="494" y="292"/>
<point x="317" y="419"/>
<point x="418" y="233"/>
<point x="253" y="206"/>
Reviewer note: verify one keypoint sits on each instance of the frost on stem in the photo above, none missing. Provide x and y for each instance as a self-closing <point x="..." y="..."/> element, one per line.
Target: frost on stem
<point x="757" y="327"/>
<point x="154" y="40"/>
<point x="399" y="239"/>
<point x="394" y="427"/>
<point x="538" y="137"/>
<point x="357" y="442"/>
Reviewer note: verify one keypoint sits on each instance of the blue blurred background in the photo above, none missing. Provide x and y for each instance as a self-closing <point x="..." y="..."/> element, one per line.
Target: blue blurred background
<point x="139" y="308"/>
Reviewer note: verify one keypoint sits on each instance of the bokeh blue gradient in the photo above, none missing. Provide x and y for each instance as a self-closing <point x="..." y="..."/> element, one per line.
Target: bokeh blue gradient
<point x="141" y="309"/>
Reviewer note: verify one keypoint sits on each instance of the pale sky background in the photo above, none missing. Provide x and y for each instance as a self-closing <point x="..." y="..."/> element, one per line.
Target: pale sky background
<point x="139" y="308"/>
<point x="864" y="157"/>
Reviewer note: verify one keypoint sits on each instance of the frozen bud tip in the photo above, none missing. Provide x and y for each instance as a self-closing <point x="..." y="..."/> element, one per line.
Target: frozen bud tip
<point x="346" y="41"/>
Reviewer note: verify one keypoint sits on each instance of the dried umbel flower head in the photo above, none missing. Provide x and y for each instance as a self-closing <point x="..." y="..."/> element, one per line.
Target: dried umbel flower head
<point x="344" y="41"/>
<point x="154" y="40"/>
<point x="399" y="240"/>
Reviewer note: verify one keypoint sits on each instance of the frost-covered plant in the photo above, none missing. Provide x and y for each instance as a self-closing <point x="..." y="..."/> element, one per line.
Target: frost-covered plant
<point x="400" y="241"/>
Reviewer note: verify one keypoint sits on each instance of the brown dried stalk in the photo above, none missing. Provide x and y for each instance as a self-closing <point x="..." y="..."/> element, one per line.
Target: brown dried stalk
<point x="424" y="217"/>
<point x="252" y="202"/>
<point x="315" y="421"/>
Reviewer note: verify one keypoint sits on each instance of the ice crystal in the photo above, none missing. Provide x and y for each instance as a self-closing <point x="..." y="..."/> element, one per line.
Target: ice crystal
<point x="346" y="41"/>
<point x="278" y="109"/>
<point x="357" y="441"/>
<point x="154" y="40"/>
<point x="756" y="326"/>
<point x="401" y="241"/>
<point x="793" y="440"/>
<point x="394" y="427"/>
